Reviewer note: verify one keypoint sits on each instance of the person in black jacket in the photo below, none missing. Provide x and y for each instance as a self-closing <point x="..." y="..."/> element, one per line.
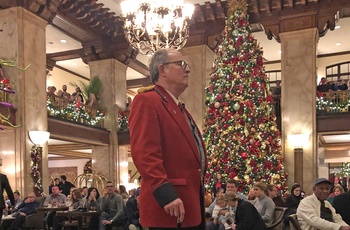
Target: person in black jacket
<point x="26" y="208"/>
<point x="341" y="204"/>
<point x="246" y="216"/>
<point x="5" y="185"/>
<point x="293" y="201"/>
<point x="65" y="185"/>
<point x="132" y="212"/>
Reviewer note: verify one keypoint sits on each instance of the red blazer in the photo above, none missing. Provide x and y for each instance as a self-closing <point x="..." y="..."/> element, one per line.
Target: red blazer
<point x="165" y="153"/>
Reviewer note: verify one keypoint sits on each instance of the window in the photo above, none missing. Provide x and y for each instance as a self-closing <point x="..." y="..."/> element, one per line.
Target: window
<point x="339" y="70"/>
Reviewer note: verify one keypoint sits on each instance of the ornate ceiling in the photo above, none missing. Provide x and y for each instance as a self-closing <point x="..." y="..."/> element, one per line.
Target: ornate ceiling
<point x="89" y="22"/>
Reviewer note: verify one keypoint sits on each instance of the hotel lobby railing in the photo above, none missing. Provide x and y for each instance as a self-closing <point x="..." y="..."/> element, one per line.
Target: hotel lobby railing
<point x="333" y="102"/>
<point x="77" y="112"/>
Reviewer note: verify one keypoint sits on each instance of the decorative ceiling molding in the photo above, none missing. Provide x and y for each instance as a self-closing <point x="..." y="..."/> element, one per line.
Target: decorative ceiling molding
<point x="102" y="36"/>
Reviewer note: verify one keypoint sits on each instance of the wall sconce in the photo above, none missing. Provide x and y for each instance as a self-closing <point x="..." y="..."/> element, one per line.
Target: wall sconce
<point x="298" y="141"/>
<point x="38" y="138"/>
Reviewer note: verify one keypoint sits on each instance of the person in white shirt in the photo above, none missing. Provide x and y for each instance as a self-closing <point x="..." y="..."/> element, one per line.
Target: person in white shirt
<point x="316" y="213"/>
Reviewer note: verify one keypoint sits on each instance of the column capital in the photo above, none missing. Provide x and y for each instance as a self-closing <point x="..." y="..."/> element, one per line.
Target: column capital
<point x="320" y="15"/>
<point x="44" y="9"/>
<point x="100" y="50"/>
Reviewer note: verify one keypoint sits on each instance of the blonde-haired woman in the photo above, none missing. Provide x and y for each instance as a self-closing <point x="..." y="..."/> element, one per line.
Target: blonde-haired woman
<point x="337" y="190"/>
<point x="263" y="204"/>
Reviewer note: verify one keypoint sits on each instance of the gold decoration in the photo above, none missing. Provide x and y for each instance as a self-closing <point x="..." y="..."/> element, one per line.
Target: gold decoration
<point x="145" y="89"/>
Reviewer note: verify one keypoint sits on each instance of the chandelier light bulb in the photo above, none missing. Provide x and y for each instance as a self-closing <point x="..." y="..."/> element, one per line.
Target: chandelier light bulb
<point x="151" y="25"/>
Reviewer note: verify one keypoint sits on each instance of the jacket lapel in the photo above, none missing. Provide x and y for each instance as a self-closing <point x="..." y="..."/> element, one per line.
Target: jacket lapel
<point x="179" y="118"/>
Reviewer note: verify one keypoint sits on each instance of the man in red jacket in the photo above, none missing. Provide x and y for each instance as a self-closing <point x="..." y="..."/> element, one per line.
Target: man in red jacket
<point x="167" y="148"/>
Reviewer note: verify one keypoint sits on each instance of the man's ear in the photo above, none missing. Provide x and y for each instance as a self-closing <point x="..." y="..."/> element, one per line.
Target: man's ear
<point x="161" y="69"/>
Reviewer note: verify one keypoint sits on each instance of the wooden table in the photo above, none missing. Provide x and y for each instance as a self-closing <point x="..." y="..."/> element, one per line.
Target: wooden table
<point x="51" y="209"/>
<point x="79" y="215"/>
<point x="47" y="209"/>
<point x="8" y="217"/>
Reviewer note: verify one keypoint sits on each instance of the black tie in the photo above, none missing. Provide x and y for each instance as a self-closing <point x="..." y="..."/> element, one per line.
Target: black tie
<point x="195" y="133"/>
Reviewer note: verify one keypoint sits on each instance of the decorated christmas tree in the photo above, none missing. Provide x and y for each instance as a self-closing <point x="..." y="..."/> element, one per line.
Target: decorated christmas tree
<point x="241" y="135"/>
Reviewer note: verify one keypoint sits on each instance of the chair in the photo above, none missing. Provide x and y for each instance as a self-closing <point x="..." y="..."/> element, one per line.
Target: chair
<point x="35" y="220"/>
<point x="278" y="219"/>
<point x="293" y="222"/>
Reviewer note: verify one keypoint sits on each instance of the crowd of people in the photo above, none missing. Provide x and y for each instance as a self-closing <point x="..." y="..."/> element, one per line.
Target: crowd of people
<point x="117" y="206"/>
<point x="327" y="208"/>
<point x="64" y="98"/>
<point x="324" y="86"/>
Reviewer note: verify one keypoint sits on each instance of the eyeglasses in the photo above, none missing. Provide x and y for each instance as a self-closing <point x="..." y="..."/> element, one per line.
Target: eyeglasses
<point x="181" y="63"/>
<point x="31" y="196"/>
<point x="109" y="186"/>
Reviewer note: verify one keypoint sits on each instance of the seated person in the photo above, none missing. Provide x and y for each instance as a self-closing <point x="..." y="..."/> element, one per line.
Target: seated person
<point x="337" y="190"/>
<point x="112" y="208"/>
<point x="293" y="201"/>
<point x="18" y="201"/>
<point x="315" y="212"/>
<point x="77" y="202"/>
<point x="93" y="203"/>
<point x="54" y="199"/>
<point x="272" y="192"/>
<point x="231" y="186"/>
<point x="219" y="218"/>
<point x="132" y="212"/>
<point x="247" y="217"/>
<point x="26" y="208"/>
<point x="263" y="204"/>
<point x="341" y="204"/>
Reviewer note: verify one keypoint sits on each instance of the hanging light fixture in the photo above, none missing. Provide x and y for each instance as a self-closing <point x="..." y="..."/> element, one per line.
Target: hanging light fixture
<point x="151" y="25"/>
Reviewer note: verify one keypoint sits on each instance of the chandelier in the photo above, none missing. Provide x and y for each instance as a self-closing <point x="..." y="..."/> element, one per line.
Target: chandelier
<point x="151" y="25"/>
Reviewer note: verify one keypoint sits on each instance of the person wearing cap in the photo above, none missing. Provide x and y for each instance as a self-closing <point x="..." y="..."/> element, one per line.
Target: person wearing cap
<point x="246" y="217"/>
<point x="315" y="212"/>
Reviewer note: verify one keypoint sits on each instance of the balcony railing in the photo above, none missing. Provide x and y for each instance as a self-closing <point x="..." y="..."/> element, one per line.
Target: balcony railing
<point x="62" y="108"/>
<point x="333" y="102"/>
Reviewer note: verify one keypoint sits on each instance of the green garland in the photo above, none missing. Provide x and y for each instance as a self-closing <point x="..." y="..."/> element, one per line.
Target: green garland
<point x="123" y="124"/>
<point x="76" y="113"/>
<point x="330" y="106"/>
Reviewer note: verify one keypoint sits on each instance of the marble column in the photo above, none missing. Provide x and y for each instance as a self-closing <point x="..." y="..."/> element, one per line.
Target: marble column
<point x="200" y="58"/>
<point x="22" y="39"/>
<point x="298" y="100"/>
<point x="108" y="160"/>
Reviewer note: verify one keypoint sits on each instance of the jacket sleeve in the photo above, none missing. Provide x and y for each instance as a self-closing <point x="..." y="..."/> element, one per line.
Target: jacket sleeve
<point x="9" y="190"/>
<point x="33" y="207"/>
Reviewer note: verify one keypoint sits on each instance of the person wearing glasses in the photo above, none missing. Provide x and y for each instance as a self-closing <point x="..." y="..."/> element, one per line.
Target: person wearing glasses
<point x="167" y="148"/>
<point x="112" y="208"/>
<point x="28" y="207"/>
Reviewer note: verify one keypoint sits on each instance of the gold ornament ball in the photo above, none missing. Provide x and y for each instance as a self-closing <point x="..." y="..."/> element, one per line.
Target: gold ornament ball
<point x="236" y="106"/>
<point x="217" y="105"/>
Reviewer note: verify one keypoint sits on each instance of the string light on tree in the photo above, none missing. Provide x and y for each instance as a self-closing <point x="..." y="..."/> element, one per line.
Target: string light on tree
<point x="240" y="130"/>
